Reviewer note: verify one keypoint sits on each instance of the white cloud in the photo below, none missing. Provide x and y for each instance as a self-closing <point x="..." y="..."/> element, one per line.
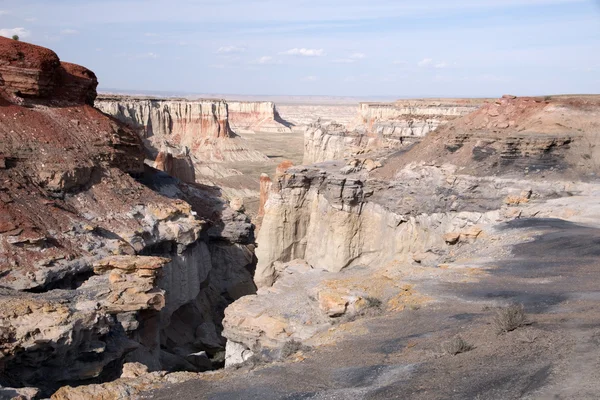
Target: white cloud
<point x="442" y="64"/>
<point x="69" y="32"/>
<point x="230" y="50"/>
<point x="358" y="56"/>
<point x="304" y="52"/>
<point x="425" y="62"/>
<point x="31" y="19"/>
<point x="9" y="32"/>
<point x="310" y="78"/>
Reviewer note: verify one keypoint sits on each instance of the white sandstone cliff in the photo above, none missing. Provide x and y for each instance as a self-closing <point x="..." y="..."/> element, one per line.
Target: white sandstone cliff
<point x="200" y="125"/>
<point x="253" y="116"/>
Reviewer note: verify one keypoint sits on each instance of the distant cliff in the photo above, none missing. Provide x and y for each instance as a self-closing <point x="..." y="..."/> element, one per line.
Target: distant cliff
<point x="381" y="125"/>
<point x="252" y="116"/>
<point x="202" y="126"/>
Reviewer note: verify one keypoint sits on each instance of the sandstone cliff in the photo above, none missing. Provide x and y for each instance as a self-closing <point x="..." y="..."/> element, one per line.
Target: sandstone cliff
<point x="344" y="235"/>
<point x="549" y="136"/>
<point x="252" y="116"/>
<point x="200" y="125"/>
<point x="332" y="141"/>
<point x="406" y="118"/>
<point x="381" y="126"/>
<point x="103" y="259"/>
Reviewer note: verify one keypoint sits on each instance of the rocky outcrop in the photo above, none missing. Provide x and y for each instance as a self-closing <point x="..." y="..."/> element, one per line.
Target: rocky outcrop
<point x="545" y="135"/>
<point x="36" y="72"/>
<point x="103" y="259"/>
<point x="302" y="115"/>
<point x="379" y="127"/>
<point x="336" y="244"/>
<point x="177" y="163"/>
<point x="253" y="116"/>
<point x="411" y="118"/>
<point x="344" y="235"/>
<point x="334" y="142"/>
<point x="202" y="126"/>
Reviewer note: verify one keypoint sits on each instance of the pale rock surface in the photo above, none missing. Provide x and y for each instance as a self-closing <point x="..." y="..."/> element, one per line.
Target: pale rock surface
<point x="200" y="125"/>
<point x="253" y="116"/>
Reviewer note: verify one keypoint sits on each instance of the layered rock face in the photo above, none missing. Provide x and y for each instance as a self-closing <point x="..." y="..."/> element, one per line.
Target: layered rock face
<point x="303" y="115"/>
<point x="333" y="141"/>
<point x="103" y="259"/>
<point x="410" y="118"/>
<point x="546" y="135"/>
<point x="35" y="72"/>
<point x="333" y="237"/>
<point x="200" y="125"/>
<point x="252" y="116"/>
<point x="380" y="126"/>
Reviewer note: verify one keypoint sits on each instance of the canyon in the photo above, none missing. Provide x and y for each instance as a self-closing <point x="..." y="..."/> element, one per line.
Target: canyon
<point x="224" y="249"/>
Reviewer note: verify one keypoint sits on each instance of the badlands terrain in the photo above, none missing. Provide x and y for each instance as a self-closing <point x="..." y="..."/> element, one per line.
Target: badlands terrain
<point x="241" y="249"/>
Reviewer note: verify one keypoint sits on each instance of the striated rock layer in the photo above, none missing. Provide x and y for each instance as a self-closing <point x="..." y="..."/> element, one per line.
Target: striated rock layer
<point x="408" y="118"/>
<point x="336" y="238"/>
<point x="103" y="259"/>
<point x="381" y="126"/>
<point x="252" y="116"/>
<point x="202" y="126"/>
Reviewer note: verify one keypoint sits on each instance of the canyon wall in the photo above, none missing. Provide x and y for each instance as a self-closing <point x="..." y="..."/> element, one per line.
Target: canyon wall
<point x="202" y="126"/>
<point x="343" y="235"/>
<point x="406" y="118"/>
<point x="330" y="240"/>
<point x="252" y="116"/>
<point x="303" y="115"/>
<point x="104" y="259"/>
<point x="381" y="126"/>
<point x="332" y="141"/>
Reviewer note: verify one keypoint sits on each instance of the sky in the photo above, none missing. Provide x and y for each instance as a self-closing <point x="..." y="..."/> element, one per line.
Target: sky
<point x="400" y="48"/>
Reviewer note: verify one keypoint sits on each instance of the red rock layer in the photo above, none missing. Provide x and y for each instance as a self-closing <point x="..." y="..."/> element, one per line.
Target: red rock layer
<point x="32" y="71"/>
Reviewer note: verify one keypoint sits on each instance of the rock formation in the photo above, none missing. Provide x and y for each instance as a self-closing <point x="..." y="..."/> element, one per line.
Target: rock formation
<point x="412" y="118"/>
<point x="200" y="125"/>
<point x="547" y="136"/>
<point x="303" y="115"/>
<point x="334" y="235"/>
<point x="35" y="72"/>
<point x="380" y="126"/>
<point x="333" y="141"/>
<point x="103" y="259"/>
<point x="252" y="116"/>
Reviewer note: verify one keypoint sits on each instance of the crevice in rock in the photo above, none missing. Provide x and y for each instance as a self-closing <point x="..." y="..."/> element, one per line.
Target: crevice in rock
<point x="68" y="282"/>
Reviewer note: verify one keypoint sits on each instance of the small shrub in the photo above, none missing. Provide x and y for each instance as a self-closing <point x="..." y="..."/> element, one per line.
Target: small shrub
<point x="456" y="345"/>
<point x="15" y="37"/>
<point x="292" y="347"/>
<point x="510" y="318"/>
<point x="373" y="302"/>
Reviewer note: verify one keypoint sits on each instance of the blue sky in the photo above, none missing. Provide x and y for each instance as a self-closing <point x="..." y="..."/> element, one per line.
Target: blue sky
<point x="401" y="48"/>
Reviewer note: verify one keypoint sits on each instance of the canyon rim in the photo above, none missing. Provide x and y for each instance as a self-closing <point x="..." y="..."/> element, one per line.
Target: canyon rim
<point x="292" y="247"/>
